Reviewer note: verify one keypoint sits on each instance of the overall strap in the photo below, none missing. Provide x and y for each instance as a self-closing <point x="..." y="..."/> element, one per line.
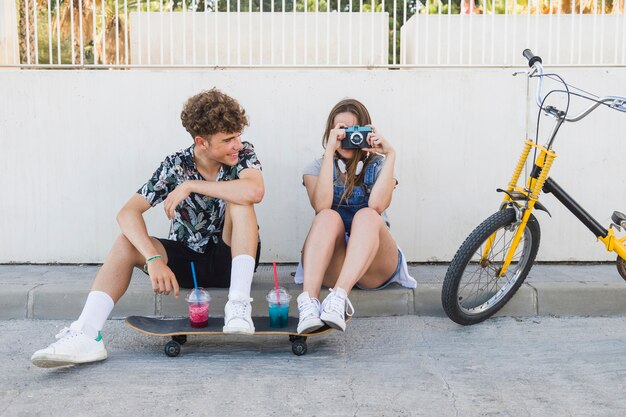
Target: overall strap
<point x="370" y="174"/>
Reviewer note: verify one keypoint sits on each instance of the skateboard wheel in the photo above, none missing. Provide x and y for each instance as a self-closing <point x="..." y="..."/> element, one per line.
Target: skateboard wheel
<point x="181" y="339"/>
<point x="172" y="348"/>
<point x="298" y="347"/>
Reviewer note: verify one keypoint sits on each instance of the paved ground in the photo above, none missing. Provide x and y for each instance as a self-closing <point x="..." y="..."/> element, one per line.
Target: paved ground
<point x="392" y="366"/>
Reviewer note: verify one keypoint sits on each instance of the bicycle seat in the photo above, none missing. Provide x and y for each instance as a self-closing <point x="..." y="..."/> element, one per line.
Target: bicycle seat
<point x="619" y="218"/>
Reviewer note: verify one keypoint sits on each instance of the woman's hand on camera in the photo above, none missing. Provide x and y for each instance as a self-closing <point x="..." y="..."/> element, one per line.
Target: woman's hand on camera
<point x="336" y="135"/>
<point x="378" y="143"/>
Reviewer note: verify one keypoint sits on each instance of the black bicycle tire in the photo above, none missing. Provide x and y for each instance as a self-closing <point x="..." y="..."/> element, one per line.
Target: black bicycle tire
<point x="449" y="291"/>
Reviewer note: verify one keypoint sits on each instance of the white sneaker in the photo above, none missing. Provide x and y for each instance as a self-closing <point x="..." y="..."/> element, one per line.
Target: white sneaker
<point x="238" y="317"/>
<point x="73" y="347"/>
<point x="335" y="308"/>
<point x="309" y="309"/>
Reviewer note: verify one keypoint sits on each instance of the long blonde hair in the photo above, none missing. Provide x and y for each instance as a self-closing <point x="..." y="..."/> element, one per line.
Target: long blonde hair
<point x="363" y="118"/>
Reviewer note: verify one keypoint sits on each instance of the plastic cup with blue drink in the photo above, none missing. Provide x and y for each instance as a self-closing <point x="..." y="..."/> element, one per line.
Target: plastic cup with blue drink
<point x="278" y="307"/>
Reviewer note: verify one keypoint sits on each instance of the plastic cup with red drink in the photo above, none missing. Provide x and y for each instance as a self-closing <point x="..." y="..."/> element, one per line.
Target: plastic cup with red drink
<point x="199" y="304"/>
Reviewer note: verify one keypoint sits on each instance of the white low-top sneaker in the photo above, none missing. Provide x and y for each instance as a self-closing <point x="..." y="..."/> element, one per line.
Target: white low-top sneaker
<point x="73" y="347"/>
<point x="335" y="308"/>
<point x="238" y="317"/>
<point x="309" y="309"/>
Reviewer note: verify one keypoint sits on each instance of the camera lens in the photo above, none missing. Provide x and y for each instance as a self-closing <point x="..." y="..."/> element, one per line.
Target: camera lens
<point x="356" y="138"/>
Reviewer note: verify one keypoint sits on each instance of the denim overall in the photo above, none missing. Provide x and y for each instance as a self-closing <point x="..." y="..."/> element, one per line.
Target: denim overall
<point x="360" y="194"/>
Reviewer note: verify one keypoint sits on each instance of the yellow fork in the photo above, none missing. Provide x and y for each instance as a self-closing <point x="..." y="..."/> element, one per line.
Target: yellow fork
<point x="544" y="161"/>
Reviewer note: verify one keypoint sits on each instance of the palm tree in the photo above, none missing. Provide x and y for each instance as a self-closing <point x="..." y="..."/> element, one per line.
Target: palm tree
<point x="74" y="16"/>
<point x="110" y="42"/>
<point x="26" y="42"/>
<point x="77" y="14"/>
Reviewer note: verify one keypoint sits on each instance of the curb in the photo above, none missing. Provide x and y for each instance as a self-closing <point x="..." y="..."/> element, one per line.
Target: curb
<point x="57" y="292"/>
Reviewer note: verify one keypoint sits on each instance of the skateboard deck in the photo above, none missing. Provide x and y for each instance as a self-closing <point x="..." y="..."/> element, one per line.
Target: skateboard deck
<point x="179" y="329"/>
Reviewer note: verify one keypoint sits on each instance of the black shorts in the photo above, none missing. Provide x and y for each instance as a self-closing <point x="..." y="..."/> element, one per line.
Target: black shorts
<point x="212" y="267"/>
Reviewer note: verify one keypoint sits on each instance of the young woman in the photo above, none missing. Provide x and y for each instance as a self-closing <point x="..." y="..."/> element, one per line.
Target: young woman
<point x="349" y="242"/>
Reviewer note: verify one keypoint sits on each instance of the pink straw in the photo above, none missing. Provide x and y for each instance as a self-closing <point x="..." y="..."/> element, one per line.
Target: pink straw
<point x="276" y="284"/>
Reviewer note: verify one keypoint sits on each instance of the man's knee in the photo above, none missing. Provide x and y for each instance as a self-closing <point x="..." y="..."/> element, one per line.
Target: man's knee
<point x="239" y="225"/>
<point x="238" y="210"/>
<point x="124" y="249"/>
<point x="123" y="244"/>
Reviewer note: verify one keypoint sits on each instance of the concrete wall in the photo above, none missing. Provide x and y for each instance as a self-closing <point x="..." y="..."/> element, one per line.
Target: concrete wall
<point x="75" y="145"/>
<point x="9" y="51"/>
<point x="499" y="39"/>
<point x="259" y="38"/>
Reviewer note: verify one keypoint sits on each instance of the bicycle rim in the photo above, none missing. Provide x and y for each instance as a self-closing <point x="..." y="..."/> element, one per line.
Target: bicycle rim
<point x="480" y="288"/>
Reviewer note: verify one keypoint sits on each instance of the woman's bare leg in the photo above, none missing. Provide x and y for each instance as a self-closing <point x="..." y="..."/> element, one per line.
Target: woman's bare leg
<point x="372" y="254"/>
<point x="324" y="251"/>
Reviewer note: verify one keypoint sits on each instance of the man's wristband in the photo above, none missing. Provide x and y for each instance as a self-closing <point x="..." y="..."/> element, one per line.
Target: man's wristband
<point x="152" y="258"/>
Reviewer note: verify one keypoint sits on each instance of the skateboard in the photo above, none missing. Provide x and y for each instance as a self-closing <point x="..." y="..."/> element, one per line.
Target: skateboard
<point x="179" y="329"/>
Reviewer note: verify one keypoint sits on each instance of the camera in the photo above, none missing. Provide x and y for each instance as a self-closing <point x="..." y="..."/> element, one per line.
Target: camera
<point x="356" y="137"/>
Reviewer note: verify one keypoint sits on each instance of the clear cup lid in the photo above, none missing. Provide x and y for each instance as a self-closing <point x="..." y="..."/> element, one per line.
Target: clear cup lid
<point x="200" y="296"/>
<point x="283" y="294"/>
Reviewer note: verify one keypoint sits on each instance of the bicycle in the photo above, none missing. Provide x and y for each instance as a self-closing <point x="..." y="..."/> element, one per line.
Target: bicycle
<point x="496" y="257"/>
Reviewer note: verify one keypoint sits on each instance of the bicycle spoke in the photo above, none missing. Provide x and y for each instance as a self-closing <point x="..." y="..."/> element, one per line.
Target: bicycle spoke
<point x="481" y="280"/>
<point x="474" y="283"/>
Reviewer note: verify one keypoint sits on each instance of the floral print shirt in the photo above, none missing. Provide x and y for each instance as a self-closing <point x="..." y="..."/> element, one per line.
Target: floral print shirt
<point x="199" y="219"/>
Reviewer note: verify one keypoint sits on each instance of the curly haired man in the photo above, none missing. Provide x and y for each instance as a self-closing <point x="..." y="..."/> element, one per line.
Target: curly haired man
<point x="208" y="191"/>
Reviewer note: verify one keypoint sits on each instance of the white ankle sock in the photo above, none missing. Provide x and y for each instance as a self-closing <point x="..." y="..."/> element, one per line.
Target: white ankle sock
<point x="241" y="277"/>
<point x="95" y="313"/>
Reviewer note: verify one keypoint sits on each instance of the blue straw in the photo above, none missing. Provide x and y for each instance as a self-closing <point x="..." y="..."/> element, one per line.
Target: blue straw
<point x="195" y="282"/>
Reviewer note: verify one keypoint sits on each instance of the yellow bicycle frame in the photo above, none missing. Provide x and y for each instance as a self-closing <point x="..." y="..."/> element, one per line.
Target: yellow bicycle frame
<point x="531" y="195"/>
<point x="613" y="244"/>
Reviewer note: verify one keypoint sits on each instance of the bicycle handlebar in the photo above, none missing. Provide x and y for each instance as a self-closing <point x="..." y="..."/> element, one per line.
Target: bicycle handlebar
<point x="535" y="62"/>
<point x="532" y="58"/>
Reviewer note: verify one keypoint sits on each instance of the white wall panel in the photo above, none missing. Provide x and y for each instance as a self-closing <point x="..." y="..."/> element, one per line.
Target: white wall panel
<point x="75" y="145"/>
